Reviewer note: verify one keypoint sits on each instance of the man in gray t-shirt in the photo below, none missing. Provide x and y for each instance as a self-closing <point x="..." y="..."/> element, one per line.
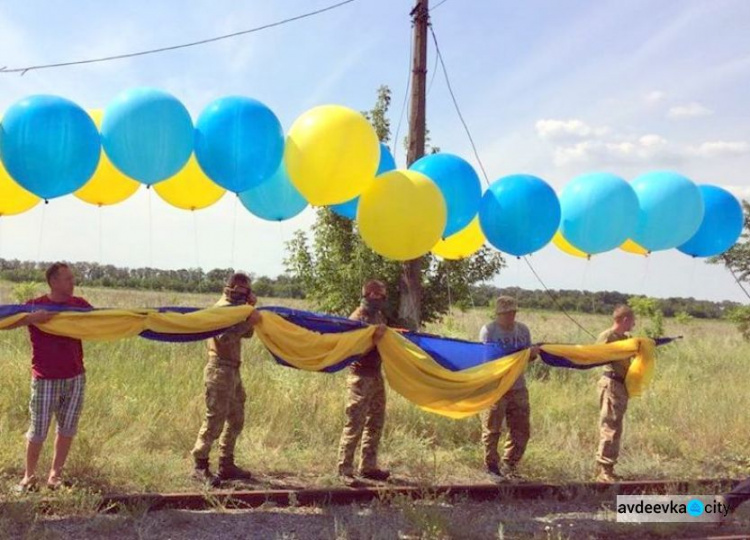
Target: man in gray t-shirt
<point x="514" y="405"/>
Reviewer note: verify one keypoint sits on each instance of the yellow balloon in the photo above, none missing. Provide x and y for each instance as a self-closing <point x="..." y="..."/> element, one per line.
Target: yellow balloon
<point x="13" y="198"/>
<point x="331" y="154"/>
<point x="563" y="245"/>
<point x="462" y="244"/>
<point x="108" y="185"/>
<point x="632" y="247"/>
<point x="402" y="216"/>
<point x="190" y="189"/>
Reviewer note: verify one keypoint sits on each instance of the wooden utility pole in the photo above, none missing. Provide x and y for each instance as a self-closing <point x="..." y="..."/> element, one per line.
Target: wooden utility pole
<point x="410" y="307"/>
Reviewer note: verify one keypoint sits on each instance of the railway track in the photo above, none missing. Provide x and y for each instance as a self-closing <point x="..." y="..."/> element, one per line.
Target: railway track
<point x="343" y="496"/>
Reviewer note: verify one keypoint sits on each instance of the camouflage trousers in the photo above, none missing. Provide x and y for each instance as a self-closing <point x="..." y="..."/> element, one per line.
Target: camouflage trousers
<point x="613" y="402"/>
<point x="365" y="417"/>
<point x="225" y="410"/>
<point x="514" y="408"/>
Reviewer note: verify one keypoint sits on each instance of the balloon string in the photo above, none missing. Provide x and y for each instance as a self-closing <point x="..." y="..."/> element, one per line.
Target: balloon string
<point x="450" y="300"/>
<point x="195" y="240"/>
<point x="585" y="276"/>
<point x="645" y="275"/>
<point x="41" y="232"/>
<point x="693" y="267"/>
<point x="234" y="233"/>
<point x="150" y="231"/>
<point x="101" y="244"/>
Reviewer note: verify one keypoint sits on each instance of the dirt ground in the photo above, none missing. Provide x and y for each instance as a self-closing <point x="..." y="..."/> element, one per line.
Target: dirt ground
<point x="397" y="518"/>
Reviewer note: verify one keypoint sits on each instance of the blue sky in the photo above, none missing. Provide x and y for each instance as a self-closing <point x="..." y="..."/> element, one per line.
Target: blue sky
<point x="554" y="88"/>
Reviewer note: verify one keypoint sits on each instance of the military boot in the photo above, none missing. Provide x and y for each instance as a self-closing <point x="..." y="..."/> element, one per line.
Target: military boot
<point x="606" y="474"/>
<point x="203" y="474"/>
<point x="380" y="475"/>
<point x="229" y="471"/>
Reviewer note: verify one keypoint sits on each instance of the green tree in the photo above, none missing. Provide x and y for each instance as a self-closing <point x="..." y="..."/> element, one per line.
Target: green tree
<point x="737" y="258"/>
<point x="25" y="291"/>
<point x="741" y="317"/>
<point x="648" y="309"/>
<point x="332" y="261"/>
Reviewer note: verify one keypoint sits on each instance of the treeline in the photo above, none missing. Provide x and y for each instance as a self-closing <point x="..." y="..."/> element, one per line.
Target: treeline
<point x="602" y="302"/>
<point x="197" y="281"/>
<point x="184" y="280"/>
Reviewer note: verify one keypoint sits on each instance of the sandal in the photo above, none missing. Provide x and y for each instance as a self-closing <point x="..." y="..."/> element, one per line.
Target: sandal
<point x="26" y="485"/>
<point x="55" y="482"/>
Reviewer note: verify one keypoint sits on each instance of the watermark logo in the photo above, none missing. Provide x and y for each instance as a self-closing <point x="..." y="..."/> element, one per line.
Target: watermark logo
<point x="670" y="508"/>
<point x="695" y="507"/>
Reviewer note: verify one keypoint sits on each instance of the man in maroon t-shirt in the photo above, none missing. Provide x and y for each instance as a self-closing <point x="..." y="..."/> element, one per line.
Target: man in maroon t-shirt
<point x="58" y="378"/>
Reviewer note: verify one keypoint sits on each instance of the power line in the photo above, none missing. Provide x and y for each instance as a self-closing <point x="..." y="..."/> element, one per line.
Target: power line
<point x="23" y="70"/>
<point x="455" y="104"/>
<point x="554" y="299"/>
<point x="484" y="172"/>
<point x="432" y="78"/>
<point x="433" y="8"/>
<point x="406" y="99"/>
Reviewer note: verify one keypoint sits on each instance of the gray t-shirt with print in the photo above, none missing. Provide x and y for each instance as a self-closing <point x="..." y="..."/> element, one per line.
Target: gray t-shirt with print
<point x="518" y="338"/>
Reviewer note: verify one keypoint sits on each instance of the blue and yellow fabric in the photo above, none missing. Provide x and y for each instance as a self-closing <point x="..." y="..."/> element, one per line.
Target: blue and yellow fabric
<point x="451" y="377"/>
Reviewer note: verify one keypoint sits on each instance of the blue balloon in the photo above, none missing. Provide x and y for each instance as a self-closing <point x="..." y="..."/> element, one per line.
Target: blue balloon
<point x="459" y="184"/>
<point x="239" y="142"/>
<point x="348" y="209"/>
<point x="147" y="134"/>
<point x="670" y="210"/>
<point x="276" y="199"/>
<point x="519" y="214"/>
<point x="49" y="145"/>
<point x="721" y="226"/>
<point x="599" y="212"/>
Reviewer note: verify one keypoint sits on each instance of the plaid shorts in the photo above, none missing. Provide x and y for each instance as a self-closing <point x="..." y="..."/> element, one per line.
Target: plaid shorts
<point x="60" y="397"/>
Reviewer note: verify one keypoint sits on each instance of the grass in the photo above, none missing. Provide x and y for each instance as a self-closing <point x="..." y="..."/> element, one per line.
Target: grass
<point x="145" y="404"/>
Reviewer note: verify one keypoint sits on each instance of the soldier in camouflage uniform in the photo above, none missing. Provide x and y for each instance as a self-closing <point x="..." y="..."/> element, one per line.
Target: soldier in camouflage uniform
<point x="513" y="407"/>
<point x="365" y="404"/>
<point x="225" y="395"/>
<point x="613" y="397"/>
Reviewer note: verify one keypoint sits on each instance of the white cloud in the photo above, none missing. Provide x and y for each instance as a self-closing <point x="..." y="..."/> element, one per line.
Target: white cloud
<point x="567" y="129"/>
<point x="654" y="97"/>
<point x="691" y="110"/>
<point x="647" y="148"/>
<point x="719" y="148"/>
<point x="578" y="143"/>
<point x="652" y="141"/>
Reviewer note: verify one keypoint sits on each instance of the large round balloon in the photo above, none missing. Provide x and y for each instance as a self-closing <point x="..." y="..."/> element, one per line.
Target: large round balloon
<point x="462" y="244"/>
<point x="563" y="245"/>
<point x="108" y="185"/>
<point x="13" y="198"/>
<point x="599" y="212"/>
<point x="631" y="247"/>
<point x="721" y="226"/>
<point x="459" y="185"/>
<point x="331" y="154"/>
<point x="671" y="210"/>
<point x="49" y="145"/>
<point x="349" y="208"/>
<point x="276" y="199"/>
<point x="190" y="189"/>
<point x="147" y="134"/>
<point x="238" y="142"/>
<point x="402" y="215"/>
<point x="519" y="214"/>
